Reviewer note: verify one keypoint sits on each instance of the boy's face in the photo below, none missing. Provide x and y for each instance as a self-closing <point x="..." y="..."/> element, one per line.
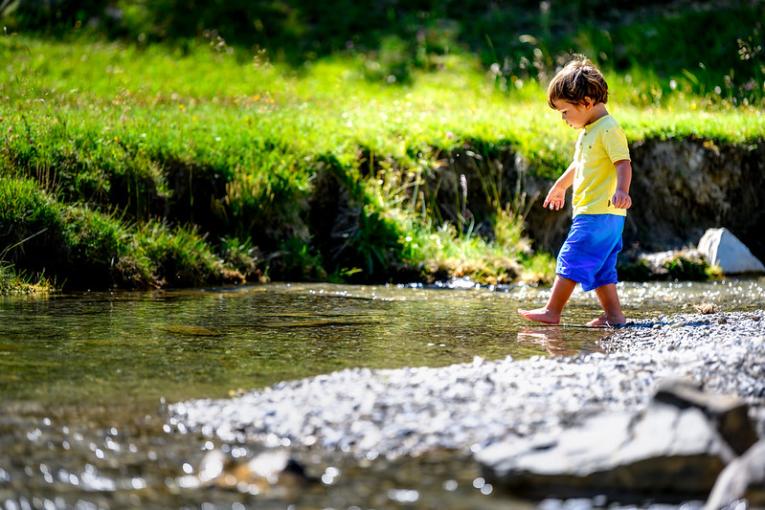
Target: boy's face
<point x="575" y="115"/>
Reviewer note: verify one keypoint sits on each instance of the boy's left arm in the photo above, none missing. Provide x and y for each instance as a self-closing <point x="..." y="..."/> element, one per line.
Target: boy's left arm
<point x="621" y="198"/>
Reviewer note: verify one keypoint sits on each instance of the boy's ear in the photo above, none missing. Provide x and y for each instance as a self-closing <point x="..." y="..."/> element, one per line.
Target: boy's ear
<point x="588" y="102"/>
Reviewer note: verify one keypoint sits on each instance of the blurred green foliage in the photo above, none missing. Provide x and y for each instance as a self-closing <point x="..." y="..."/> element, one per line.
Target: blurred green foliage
<point x="701" y="45"/>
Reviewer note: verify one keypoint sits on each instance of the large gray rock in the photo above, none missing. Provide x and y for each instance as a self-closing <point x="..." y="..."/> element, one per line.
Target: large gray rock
<point x="722" y="248"/>
<point x="662" y="450"/>
<point x="728" y="413"/>
<point x="744" y="478"/>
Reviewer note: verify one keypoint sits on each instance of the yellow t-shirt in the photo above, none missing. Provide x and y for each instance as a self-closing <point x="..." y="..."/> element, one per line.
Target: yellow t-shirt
<point x="600" y="144"/>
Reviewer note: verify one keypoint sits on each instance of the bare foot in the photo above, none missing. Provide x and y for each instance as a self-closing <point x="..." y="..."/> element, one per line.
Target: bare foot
<point x="542" y="315"/>
<point x="604" y="321"/>
<point x="600" y="322"/>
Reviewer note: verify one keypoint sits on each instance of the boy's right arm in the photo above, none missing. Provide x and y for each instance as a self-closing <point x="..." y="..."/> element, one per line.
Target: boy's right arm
<point x="556" y="197"/>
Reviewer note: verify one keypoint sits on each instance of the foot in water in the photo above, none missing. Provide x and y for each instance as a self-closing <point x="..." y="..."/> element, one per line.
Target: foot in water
<point x="542" y="315"/>
<point x="604" y="321"/>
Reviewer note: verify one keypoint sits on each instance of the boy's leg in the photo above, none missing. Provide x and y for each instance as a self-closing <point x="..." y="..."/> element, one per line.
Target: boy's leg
<point x="606" y="279"/>
<point x="550" y="313"/>
<point x="612" y="309"/>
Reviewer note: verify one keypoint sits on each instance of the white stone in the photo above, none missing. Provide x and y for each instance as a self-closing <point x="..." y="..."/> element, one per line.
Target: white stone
<point x="723" y="249"/>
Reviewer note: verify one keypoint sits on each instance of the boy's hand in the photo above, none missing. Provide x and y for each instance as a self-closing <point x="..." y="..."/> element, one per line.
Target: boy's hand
<point x="555" y="199"/>
<point x="621" y="200"/>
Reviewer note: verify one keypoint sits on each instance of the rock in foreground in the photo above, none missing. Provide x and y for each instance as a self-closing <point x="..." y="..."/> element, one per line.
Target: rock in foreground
<point x="676" y="447"/>
<point x="744" y="478"/>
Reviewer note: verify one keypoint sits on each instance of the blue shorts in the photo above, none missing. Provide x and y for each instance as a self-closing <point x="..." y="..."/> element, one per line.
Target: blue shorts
<point x="589" y="254"/>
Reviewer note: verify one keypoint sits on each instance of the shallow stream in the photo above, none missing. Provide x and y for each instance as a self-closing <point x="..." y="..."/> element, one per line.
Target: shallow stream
<point x="85" y="380"/>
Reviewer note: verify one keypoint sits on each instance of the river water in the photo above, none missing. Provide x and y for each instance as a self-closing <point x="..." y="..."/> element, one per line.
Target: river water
<point x="85" y="380"/>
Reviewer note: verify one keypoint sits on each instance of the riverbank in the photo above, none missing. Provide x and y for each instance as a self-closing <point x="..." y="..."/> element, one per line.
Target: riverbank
<point x="146" y="173"/>
<point x="468" y="407"/>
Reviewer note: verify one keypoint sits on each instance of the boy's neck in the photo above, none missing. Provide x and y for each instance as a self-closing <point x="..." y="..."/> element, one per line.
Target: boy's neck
<point x="598" y="111"/>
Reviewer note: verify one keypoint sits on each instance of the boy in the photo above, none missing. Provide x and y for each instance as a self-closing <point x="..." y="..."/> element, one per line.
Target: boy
<point x="600" y="173"/>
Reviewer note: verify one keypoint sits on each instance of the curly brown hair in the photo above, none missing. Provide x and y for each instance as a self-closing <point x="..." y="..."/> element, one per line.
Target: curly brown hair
<point x="577" y="80"/>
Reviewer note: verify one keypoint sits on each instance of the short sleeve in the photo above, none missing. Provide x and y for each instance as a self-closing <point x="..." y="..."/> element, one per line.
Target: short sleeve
<point x="615" y="144"/>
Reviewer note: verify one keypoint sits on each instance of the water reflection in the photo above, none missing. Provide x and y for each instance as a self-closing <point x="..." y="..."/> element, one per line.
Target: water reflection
<point x="556" y="341"/>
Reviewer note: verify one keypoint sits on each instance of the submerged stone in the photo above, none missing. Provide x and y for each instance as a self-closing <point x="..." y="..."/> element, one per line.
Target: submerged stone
<point x="182" y="329"/>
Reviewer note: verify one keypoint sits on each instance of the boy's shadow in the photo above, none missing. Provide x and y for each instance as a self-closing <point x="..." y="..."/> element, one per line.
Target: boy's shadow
<point x="558" y="341"/>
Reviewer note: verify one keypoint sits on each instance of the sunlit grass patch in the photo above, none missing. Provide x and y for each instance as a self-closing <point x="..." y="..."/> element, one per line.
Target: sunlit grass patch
<point x="180" y="257"/>
<point x="443" y="252"/>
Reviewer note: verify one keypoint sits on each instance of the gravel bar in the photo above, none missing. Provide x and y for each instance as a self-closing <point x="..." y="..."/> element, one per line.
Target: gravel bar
<point x="371" y="413"/>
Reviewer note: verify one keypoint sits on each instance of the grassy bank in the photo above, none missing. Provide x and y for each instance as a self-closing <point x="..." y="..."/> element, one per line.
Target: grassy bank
<point x="152" y="166"/>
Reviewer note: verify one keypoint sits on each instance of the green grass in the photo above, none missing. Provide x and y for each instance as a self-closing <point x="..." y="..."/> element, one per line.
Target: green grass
<point x="147" y="163"/>
<point x="95" y="250"/>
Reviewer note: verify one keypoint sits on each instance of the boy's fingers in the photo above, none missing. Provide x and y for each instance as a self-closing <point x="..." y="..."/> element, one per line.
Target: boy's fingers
<point x="622" y="202"/>
<point x="553" y="203"/>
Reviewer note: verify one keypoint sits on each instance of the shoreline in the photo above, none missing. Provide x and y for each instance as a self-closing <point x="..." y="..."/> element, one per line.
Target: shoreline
<point x="467" y="407"/>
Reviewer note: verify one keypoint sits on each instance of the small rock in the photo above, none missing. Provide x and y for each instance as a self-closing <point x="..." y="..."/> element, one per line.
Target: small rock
<point x="271" y="472"/>
<point x="212" y="466"/>
<point x="706" y="308"/>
